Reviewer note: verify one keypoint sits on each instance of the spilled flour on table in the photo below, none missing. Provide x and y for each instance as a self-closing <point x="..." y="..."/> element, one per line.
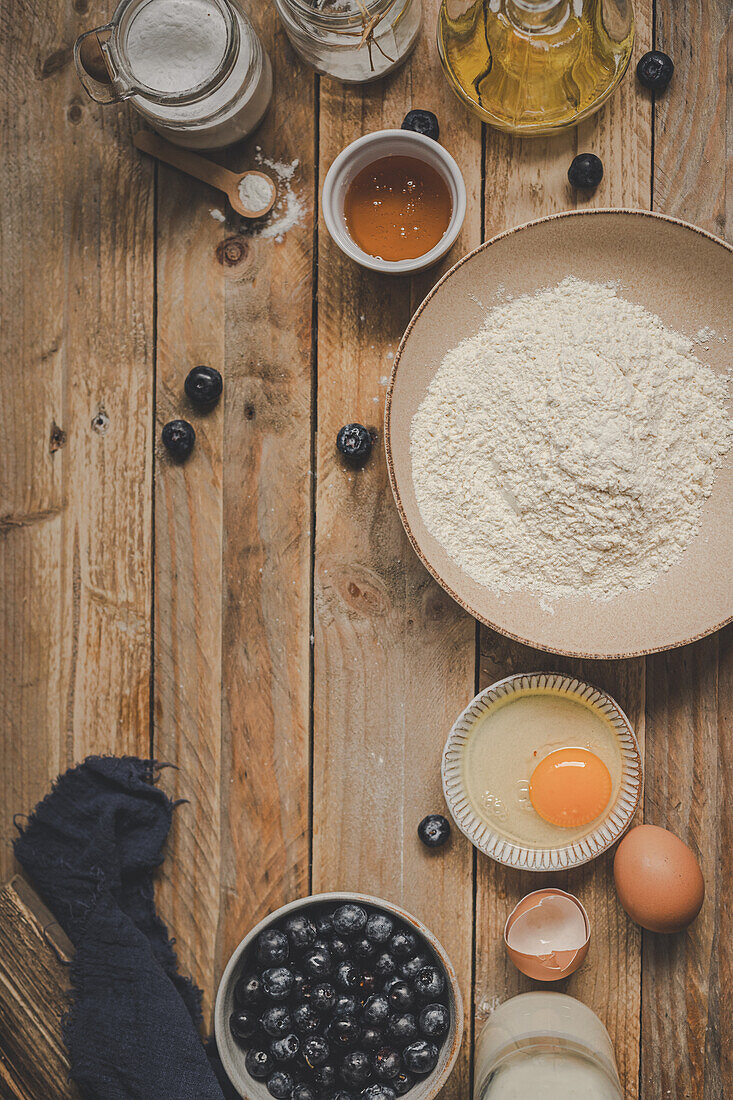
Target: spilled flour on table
<point x="289" y="208"/>
<point x="569" y="446"/>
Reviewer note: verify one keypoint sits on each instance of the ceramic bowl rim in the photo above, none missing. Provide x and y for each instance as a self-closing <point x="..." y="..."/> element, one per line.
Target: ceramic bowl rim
<point x="508" y="852"/>
<point x="433" y="1083"/>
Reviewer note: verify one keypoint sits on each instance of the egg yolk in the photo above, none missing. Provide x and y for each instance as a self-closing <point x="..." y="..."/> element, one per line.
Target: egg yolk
<point x="570" y="787"/>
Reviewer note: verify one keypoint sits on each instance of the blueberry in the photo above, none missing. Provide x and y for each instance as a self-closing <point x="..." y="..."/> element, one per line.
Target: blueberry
<point x="410" y="969"/>
<point x="434" y="830"/>
<point x="341" y="1094"/>
<point x="343" y="1031"/>
<point x="248" y="991"/>
<point x="402" y="1083"/>
<point x="370" y="1038"/>
<point x="347" y="976"/>
<point x="272" y="947"/>
<point x="421" y="1057"/>
<point x="280" y="1085"/>
<point x="354" y="441"/>
<point x="345" y="1005"/>
<point x="387" y="1063"/>
<point x="356" y="1068"/>
<point x="301" y="986"/>
<point x="379" y="928"/>
<point x="277" y="1021"/>
<point x="317" y="962"/>
<point x="350" y="920"/>
<point x="364" y="948"/>
<point x="300" y="931"/>
<point x="315" y="1051"/>
<point x="376" y="1010"/>
<point x="378" y="1092"/>
<point x="203" y="386"/>
<point x="305" y="1018"/>
<point x="402" y="1029"/>
<point x="655" y="70"/>
<point x="422" y="122"/>
<point x="243" y="1024"/>
<point x="325" y="1076"/>
<point x="324" y="925"/>
<point x="585" y="172"/>
<point x="429" y="983"/>
<point x="434" y="1021"/>
<point x="322" y="996"/>
<point x="367" y="985"/>
<point x="285" y="1049"/>
<point x="339" y="947"/>
<point x="258" y="1064"/>
<point x="385" y="965"/>
<point x="178" y="438"/>
<point x="403" y="944"/>
<point x="304" y="1092"/>
<point x="391" y="982"/>
<point x="401" y="996"/>
<point x="277" y="983"/>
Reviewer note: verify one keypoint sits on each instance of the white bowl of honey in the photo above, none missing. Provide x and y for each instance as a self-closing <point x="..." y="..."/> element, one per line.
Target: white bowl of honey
<point x="394" y="201"/>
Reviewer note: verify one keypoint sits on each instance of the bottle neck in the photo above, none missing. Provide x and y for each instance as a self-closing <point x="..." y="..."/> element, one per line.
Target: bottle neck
<point x="536" y="16"/>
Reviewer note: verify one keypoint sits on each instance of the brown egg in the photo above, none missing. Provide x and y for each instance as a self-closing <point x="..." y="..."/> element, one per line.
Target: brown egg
<point x="658" y="879"/>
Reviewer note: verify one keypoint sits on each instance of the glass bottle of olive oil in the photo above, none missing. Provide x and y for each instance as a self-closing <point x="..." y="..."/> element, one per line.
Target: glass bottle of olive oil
<point x="535" y="66"/>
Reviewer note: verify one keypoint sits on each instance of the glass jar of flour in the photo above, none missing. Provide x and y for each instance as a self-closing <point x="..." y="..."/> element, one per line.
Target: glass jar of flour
<point x="195" y="69"/>
<point x="353" y="40"/>
<point x="546" y="1046"/>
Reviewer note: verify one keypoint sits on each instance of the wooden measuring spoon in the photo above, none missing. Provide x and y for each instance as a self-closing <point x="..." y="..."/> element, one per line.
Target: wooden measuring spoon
<point x="202" y="169"/>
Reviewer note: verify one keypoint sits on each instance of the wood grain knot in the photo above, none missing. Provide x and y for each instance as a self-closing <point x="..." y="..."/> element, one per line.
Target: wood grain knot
<point x="232" y="251"/>
<point x="57" y="439"/>
<point x="249" y="412"/>
<point x="100" y="422"/>
<point x="361" y="591"/>
<point x="54" y="63"/>
<point x="82" y="6"/>
<point x="74" y="113"/>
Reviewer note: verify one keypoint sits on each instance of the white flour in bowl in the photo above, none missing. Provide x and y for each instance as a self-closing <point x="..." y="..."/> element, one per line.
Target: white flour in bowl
<point x="568" y="447"/>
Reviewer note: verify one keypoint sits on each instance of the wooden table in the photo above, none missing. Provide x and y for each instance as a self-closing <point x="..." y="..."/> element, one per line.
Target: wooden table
<point x="256" y="615"/>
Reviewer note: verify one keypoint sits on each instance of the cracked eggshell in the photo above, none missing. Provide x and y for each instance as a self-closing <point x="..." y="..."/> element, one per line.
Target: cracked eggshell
<point x="547" y="934"/>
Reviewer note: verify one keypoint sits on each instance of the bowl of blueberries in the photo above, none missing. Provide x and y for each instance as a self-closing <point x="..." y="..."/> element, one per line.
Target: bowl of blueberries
<point x="339" y="997"/>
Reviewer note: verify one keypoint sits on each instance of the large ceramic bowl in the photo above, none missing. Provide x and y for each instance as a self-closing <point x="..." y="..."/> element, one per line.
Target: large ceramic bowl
<point x="495" y="844"/>
<point x="232" y="1055"/>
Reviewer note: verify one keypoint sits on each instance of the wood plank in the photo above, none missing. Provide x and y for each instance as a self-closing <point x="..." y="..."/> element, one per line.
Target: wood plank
<point x="394" y="657"/>
<point x="34" y="984"/>
<point x="526" y="179"/>
<point x="688" y="979"/>
<point x="75" y="468"/>
<point x="233" y="538"/>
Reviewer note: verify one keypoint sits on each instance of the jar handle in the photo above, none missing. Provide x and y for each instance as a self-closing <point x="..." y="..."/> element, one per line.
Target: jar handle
<point x="100" y="80"/>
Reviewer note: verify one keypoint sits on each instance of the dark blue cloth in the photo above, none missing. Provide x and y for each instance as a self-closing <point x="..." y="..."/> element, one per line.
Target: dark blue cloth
<point x="91" y="849"/>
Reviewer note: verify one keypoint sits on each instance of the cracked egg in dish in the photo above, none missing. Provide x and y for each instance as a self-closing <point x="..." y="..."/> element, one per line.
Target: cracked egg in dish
<point x="542" y="771"/>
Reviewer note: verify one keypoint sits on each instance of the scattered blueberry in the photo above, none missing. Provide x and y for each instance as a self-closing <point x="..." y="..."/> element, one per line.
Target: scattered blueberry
<point x="376" y="1010"/>
<point x="356" y="1068"/>
<point x="243" y="1023"/>
<point x="203" y="386"/>
<point x="403" y="944"/>
<point x="370" y="1038"/>
<point x="378" y="1092"/>
<point x="402" y="1083"/>
<point x="300" y="931"/>
<point x="412" y="967"/>
<point x="655" y="70"/>
<point x="402" y="1029"/>
<point x="315" y="1051"/>
<point x="429" y="983"/>
<point x="385" y="965"/>
<point x="258" y="1064"/>
<point x="422" y="122"/>
<point x="317" y="962"/>
<point x="387" y="1063"/>
<point x="343" y="1032"/>
<point x="350" y="920"/>
<point x="434" y="1021"/>
<point x="178" y="438"/>
<point x="379" y="928"/>
<point x="434" y="830"/>
<point x="277" y="1021"/>
<point x="272" y="947"/>
<point x="285" y="1049"/>
<point x="354" y="441"/>
<point x="306" y="1020"/>
<point x="585" y="172"/>
<point x="401" y="996"/>
<point x="277" y="982"/>
<point x="280" y="1085"/>
<point x="322" y="996"/>
<point x="304" y="1092"/>
<point x="421" y="1057"/>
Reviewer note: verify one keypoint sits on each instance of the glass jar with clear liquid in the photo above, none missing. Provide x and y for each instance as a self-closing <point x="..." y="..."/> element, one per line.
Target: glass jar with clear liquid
<point x="546" y="1046"/>
<point x="535" y="66"/>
